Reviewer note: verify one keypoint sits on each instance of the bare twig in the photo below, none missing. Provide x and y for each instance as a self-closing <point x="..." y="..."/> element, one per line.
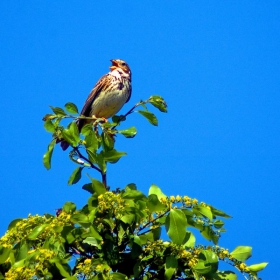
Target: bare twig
<point x="122" y="117"/>
<point x="103" y="175"/>
<point x="76" y="149"/>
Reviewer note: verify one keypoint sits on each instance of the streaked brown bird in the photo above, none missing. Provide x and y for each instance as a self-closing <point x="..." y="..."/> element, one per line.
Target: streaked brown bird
<point x="109" y="94"/>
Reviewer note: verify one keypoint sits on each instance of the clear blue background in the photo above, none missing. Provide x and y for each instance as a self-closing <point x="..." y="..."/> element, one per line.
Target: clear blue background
<point x="215" y="62"/>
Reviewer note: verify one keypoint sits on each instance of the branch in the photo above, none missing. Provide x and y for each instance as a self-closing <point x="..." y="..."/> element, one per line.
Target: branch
<point x="103" y="175"/>
<point x="76" y="149"/>
<point x="122" y="117"/>
<point x="146" y="225"/>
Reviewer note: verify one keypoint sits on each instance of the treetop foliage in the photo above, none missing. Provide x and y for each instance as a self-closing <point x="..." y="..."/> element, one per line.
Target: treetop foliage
<point x="122" y="233"/>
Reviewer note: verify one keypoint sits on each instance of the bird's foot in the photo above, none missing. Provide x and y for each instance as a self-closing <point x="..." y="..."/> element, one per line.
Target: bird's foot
<point x="102" y="118"/>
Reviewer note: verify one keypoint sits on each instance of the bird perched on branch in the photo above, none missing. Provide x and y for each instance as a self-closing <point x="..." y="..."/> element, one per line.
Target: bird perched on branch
<point x="108" y="96"/>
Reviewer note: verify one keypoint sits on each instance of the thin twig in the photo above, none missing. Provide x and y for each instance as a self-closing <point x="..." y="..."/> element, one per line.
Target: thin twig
<point x="122" y="117"/>
<point x="103" y="175"/>
<point x="104" y="179"/>
<point x="85" y="159"/>
<point x="146" y="225"/>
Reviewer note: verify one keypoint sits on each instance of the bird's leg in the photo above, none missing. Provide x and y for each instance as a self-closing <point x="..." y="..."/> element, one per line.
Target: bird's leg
<point x="102" y="118"/>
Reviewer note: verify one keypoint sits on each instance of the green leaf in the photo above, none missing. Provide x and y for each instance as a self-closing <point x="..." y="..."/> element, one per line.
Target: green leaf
<point x="128" y="218"/>
<point x="48" y="155"/>
<point x="58" y="111"/>
<point x="200" y="210"/>
<point x="71" y="108"/>
<point x="151" y="236"/>
<point x="157" y="191"/>
<point x="118" y="276"/>
<point x="171" y="264"/>
<point x="257" y="267"/>
<point x="158" y="102"/>
<point x="218" y="224"/>
<point x="108" y="141"/>
<point x="19" y="263"/>
<point x="22" y="249"/>
<point x="97" y="158"/>
<point x="136" y="249"/>
<point x="71" y="135"/>
<point x="153" y="203"/>
<point x="64" y="269"/>
<point x="73" y="128"/>
<point x="189" y="240"/>
<point x="224" y="275"/>
<point x="93" y="202"/>
<point x="112" y="156"/>
<point x="86" y="129"/>
<point x="131" y="186"/>
<point x="220" y="213"/>
<point x="80" y="218"/>
<point x="91" y="141"/>
<point x="49" y="127"/>
<point x="88" y="187"/>
<point x="92" y="241"/>
<point x="175" y="225"/>
<point x="68" y="137"/>
<point x="116" y="119"/>
<point x="49" y="117"/>
<point x="4" y="253"/>
<point x="13" y="223"/>
<point x="92" y="214"/>
<point x="75" y="176"/>
<point x="36" y="231"/>
<point x="207" y="263"/>
<point x="128" y="133"/>
<point x="69" y="207"/>
<point x="58" y="229"/>
<point x="132" y="194"/>
<point x="209" y="234"/>
<point x="97" y="186"/>
<point x="95" y="234"/>
<point x="242" y="253"/>
<point x="149" y="116"/>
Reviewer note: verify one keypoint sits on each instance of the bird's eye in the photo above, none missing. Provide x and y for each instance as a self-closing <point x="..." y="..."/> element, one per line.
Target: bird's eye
<point x="123" y="64"/>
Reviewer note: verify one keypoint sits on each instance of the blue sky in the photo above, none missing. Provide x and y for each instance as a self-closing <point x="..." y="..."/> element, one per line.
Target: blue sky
<point x="215" y="62"/>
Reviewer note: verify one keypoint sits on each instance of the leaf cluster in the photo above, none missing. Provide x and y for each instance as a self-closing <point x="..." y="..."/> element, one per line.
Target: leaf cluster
<point x="118" y="235"/>
<point x="94" y="145"/>
<point x="121" y="234"/>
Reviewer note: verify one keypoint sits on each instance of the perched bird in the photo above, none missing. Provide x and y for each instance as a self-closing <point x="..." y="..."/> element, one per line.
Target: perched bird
<point x="108" y="96"/>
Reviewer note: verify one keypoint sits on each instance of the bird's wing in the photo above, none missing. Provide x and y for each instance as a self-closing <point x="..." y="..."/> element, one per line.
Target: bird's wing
<point x="101" y="85"/>
<point x="130" y="91"/>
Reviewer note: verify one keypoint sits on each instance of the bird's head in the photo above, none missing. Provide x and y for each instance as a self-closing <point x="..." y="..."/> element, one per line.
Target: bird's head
<point x="118" y="63"/>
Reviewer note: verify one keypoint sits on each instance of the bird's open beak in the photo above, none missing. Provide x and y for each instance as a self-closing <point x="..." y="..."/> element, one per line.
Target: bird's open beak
<point x="114" y="64"/>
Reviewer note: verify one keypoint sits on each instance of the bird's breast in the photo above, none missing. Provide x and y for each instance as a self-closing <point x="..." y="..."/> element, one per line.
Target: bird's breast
<point x="111" y="99"/>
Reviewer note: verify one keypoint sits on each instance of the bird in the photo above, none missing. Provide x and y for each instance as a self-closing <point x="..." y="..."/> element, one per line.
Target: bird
<point x="108" y="95"/>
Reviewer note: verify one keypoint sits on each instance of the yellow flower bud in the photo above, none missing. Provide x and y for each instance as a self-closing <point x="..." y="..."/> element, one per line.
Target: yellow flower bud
<point x="178" y="198"/>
